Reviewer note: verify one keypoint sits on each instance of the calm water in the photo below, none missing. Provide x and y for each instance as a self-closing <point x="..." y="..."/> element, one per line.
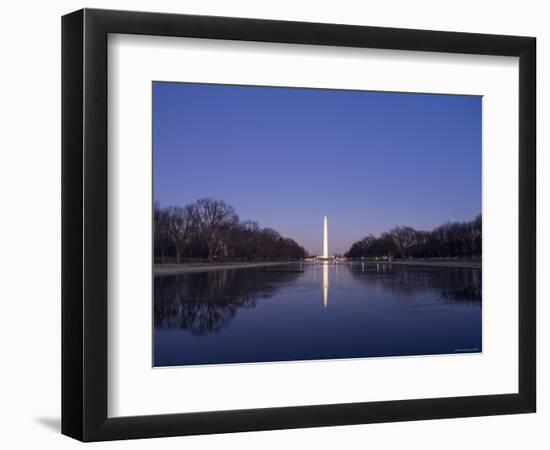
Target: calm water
<point x="315" y="311"/>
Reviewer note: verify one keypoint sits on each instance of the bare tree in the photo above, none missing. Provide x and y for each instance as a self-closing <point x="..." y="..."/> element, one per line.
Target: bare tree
<point x="211" y="229"/>
<point x="404" y="238"/>
<point x="178" y="228"/>
<point x="215" y="217"/>
<point x="160" y="230"/>
<point x="449" y="240"/>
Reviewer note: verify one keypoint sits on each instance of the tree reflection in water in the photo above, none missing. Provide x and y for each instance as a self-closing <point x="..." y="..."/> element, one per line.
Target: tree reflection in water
<point x="453" y="283"/>
<point x="468" y="294"/>
<point x="206" y="302"/>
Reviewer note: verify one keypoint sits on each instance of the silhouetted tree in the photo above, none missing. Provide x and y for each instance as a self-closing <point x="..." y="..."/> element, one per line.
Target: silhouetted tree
<point x="215" y="218"/>
<point x="211" y="229"/>
<point x="451" y="239"/>
<point x="404" y="239"/>
<point x="178" y="228"/>
<point x="162" y="240"/>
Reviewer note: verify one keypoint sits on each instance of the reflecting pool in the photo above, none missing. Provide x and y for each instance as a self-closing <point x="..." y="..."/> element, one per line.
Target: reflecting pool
<point x="306" y="311"/>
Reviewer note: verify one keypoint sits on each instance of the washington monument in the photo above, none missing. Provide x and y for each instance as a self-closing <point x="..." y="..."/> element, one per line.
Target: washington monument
<point x="325" y="238"/>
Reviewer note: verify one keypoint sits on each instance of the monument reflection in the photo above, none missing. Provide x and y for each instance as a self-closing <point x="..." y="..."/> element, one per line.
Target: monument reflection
<point x="325" y="284"/>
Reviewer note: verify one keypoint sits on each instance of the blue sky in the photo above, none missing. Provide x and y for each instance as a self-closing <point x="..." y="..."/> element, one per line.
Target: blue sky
<point x="286" y="156"/>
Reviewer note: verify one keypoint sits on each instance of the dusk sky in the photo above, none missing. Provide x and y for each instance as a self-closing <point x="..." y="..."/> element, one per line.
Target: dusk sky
<point x="285" y="157"/>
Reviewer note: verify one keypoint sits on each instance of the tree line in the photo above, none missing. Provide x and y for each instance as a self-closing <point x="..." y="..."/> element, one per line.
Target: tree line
<point x="452" y="239"/>
<point x="211" y="229"/>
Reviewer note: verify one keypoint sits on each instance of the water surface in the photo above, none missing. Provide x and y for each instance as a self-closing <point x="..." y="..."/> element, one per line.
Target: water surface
<point x="305" y="311"/>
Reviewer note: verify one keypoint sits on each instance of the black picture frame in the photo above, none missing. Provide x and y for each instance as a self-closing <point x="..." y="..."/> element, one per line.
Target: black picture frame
<point x="84" y="224"/>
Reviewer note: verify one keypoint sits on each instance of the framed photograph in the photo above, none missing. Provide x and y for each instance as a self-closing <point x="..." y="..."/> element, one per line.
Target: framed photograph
<point x="273" y="224"/>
